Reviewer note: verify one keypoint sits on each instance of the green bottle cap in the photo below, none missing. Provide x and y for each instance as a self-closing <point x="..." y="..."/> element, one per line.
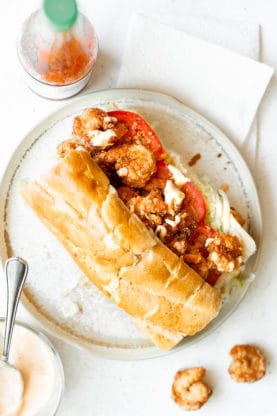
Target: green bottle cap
<point x="61" y="13"/>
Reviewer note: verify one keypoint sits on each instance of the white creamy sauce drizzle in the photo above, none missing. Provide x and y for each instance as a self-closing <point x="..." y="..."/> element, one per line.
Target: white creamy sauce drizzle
<point x="173" y="196"/>
<point x="101" y="138"/>
<point x="178" y="176"/>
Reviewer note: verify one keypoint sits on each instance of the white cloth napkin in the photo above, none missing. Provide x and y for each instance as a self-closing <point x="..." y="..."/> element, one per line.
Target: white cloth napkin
<point x="221" y="84"/>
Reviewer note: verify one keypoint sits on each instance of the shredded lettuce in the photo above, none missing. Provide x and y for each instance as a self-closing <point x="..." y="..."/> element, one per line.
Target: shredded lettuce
<point x="220" y="218"/>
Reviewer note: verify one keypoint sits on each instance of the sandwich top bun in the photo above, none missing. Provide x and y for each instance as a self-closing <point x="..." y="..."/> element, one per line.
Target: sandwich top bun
<point x="115" y="250"/>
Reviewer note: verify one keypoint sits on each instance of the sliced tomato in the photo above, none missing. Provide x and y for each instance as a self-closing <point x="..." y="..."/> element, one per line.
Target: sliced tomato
<point x="196" y="200"/>
<point x="213" y="276"/>
<point x="162" y="170"/>
<point x="137" y="125"/>
<point x="202" y="230"/>
<point x="207" y="231"/>
<point x="193" y="196"/>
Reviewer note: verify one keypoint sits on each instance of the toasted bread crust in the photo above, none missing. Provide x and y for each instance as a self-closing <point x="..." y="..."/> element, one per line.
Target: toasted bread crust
<point x="116" y="251"/>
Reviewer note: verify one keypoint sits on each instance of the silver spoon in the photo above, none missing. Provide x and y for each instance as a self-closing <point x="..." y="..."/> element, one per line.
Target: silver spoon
<point x="11" y="381"/>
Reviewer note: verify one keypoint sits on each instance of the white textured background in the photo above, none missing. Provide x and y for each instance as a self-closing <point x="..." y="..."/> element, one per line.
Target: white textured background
<point x="96" y="387"/>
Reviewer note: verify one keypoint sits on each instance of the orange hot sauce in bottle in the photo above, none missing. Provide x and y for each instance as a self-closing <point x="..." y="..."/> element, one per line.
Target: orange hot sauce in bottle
<point x="58" y="48"/>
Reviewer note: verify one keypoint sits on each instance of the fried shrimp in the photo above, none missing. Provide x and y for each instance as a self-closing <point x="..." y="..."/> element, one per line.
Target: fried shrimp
<point x="248" y="363"/>
<point x="188" y="389"/>
<point x="126" y="193"/>
<point x="96" y="128"/>
<point x="134" y="163"/>
<point x="91" y="119"/>
<point x="150" y="208"/>
<point x="224" y="252"/>
<point x="66" y="146"/>
<point x="71" y="144"/>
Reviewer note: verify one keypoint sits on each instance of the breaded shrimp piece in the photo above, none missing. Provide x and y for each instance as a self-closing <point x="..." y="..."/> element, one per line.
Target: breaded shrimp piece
<point x="248" y="363"/>
<point x="126" y="193"/>
<point x="150" y="208"/>
<point x="89" y="120"/>
<point x="224" y="252"/>
<point x="188" y="389"/>
<point x="96" y="128"/>
<point x="134" y="163"/>
<point x="66" y="146"/>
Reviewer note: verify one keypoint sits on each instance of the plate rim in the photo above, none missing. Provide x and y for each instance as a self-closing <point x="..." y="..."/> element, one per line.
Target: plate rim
<point x="120" y="353"/>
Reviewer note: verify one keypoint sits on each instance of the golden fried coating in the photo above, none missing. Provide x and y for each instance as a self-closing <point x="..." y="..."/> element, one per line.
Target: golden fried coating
<point x="66" y="146"/>
<point x="188" y="389"/>
<point x="133" y="163"/>
<point x="126" y="193"/>
<point x="248" y="363"/>
<point x="150" y="208"/>
<point x="224" y="253"/>
<point x="88" y="125"/>
<point x="90" y="119"/>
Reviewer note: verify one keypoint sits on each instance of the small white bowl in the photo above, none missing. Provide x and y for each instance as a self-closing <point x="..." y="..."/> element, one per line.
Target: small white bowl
<point x="53" y="402"/>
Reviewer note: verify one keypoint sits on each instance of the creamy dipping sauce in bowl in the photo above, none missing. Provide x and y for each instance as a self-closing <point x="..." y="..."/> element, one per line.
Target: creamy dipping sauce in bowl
<point x="35" y="357"/>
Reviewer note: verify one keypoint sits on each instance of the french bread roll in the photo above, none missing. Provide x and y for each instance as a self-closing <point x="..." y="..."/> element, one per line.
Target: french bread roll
<point x="115" y="250"/>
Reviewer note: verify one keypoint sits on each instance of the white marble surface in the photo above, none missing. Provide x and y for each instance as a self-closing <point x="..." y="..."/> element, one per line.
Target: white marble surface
<point x="100" y="387"/>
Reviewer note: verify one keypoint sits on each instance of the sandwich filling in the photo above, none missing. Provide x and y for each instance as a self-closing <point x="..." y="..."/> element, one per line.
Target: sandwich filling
<point x="160" y="194"/>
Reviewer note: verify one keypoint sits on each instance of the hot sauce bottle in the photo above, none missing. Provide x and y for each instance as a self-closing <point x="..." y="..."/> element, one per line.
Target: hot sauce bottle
<point x="57" y="48"/>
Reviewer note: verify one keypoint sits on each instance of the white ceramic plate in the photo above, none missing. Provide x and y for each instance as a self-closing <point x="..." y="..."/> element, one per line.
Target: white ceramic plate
<point x="56" y="292"/>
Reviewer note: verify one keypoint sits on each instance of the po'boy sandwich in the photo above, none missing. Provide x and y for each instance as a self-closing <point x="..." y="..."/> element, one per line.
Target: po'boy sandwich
<point x="138" y="226"/>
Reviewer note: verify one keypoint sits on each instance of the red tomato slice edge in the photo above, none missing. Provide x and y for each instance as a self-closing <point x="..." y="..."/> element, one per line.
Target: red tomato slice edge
<point x="137" y="124"/>
<point x="196" y="199"/>
<point x="213" y="277"/>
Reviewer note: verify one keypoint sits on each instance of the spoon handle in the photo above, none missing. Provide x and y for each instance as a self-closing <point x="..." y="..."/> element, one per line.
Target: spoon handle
<point x="16" y="270"/>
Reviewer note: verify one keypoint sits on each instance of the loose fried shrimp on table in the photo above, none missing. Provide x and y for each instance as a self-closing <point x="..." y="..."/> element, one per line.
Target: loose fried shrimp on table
<point x="134" y="163"/>
<point x="188" y="389"/>
<point x="248" y="365"/>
